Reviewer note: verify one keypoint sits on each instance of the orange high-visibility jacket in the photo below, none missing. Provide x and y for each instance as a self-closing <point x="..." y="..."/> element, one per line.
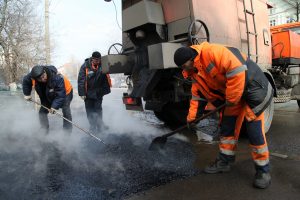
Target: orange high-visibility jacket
<point x="86" y="78"/>
<point x="58" y="86"/>
<point x="220" y="76"/>
<point x="67" y="83"/>
<point x="92" y="83"/>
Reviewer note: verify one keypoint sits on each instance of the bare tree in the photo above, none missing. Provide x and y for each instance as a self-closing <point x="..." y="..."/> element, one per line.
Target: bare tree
<point x="21" y="38"/>
<point x="294" y="4"/>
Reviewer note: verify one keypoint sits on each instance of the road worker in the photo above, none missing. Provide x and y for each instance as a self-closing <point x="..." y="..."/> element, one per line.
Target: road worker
<point x="92" y="86"/>
<point x="54" y="90"/>
<point x="223" y="74"/>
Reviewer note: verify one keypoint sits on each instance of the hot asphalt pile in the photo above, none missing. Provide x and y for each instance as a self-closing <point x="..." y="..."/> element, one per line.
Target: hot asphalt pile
<point x="36" y="167"/>
<point x="96" y="172"/>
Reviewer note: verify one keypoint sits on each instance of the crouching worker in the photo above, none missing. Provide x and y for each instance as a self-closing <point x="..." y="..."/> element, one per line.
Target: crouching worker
<point x="223" y="74"/>
<point x="55" y="91"/>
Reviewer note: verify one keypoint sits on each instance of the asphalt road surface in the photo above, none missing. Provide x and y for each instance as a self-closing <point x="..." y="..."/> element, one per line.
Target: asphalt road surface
<point x="75" y="166"/>
<point x="284" y="146"/>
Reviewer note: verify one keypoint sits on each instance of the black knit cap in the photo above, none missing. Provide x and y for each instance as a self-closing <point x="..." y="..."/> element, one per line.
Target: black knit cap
<point x="96" y="54"/>
<point x="37" y="71"/>
<point x="184" y="54"/>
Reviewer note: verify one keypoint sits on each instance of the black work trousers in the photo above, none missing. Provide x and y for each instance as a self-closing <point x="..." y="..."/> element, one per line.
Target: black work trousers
<point x="93" y="109"/>
<point x="66" y="110"/>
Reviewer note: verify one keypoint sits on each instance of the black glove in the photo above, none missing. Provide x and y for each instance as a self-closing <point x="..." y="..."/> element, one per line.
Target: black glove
<point x="218" y="103"/>
<point x="229" y="103"/>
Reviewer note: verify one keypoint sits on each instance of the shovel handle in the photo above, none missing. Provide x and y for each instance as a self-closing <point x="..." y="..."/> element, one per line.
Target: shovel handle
<point x="196" y="120"/>
<point x="210" y="112"/>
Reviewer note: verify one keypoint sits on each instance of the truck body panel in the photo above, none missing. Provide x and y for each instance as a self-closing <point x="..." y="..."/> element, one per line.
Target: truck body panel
<point x="286" y="61"/>
<point x="154" y="29"/>
<point x="286" y="44"/>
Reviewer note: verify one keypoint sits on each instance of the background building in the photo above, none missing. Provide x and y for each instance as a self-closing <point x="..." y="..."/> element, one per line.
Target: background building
<point x="283" y="11"/>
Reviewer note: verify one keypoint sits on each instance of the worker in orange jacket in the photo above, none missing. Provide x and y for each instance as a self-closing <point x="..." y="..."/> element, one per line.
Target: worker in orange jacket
<point x="223" y="74"/>
<point x="93" y="84"/>
<point x="55" y="91"/>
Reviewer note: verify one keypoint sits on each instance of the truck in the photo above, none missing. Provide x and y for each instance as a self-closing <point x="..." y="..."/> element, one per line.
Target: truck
<point x="286" y="61"/>
<point x="152" y="30"/>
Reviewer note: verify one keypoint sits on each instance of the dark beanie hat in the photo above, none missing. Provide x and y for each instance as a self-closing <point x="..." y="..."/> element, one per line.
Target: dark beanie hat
<point x="37" y="71"/>
<point x="184" y="54"/>
<point x="96" y="54"/>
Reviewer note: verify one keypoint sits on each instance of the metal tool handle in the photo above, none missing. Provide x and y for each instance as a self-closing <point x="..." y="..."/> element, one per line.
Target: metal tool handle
<point x="196" y="120"/>
<point x="58" y="114"/>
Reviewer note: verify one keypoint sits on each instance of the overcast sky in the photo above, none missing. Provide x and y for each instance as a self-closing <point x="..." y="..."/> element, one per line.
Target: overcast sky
<point x="80" y="27"/>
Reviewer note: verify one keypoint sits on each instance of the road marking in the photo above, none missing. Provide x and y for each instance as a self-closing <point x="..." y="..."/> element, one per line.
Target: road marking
<point x="279" y="155"/>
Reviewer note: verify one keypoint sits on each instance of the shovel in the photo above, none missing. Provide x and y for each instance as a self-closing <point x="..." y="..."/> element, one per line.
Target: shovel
<point x="159" y="142"/>
<point x="85" y="131"/>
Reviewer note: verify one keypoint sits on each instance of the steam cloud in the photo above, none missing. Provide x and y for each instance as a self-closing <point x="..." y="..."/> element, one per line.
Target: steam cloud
<point x="20" y="132"/>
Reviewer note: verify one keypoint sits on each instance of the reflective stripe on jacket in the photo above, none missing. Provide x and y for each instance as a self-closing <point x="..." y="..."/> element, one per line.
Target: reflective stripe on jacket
<point x="201" y="95"/>
<point x="221" y="70"/>
<point x="92" y="83"/>
<point x="223" y="73"/>
<point x="220" y="75"/>
<point x="86" y="76"/>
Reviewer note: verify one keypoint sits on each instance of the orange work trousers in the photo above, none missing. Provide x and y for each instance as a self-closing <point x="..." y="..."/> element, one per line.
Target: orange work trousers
<point x="231" y="123"/>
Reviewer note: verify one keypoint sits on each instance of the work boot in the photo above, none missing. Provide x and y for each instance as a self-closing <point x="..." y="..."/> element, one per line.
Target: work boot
<point x="218" y="166"/>
<point x="262" y="180"/>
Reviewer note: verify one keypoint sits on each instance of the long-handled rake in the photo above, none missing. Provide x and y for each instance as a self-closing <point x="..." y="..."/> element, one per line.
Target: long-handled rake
<point x="58" y="114"/>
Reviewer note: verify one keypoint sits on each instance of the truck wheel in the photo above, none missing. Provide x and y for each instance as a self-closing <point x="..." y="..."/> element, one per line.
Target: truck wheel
<point x="269" y="112"/>
<point x="268" y="116"/>
<point x="283" y="96"/>
<point x="298" y="101"/>
<point x="173" y="114"/>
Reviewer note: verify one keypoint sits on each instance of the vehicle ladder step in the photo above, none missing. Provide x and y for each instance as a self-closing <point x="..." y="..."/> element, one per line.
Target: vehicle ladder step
<point x="249" y="12"/>
<point x="252" y="33"/>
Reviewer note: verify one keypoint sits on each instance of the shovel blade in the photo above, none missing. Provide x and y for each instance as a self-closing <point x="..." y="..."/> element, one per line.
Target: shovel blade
<point x="157" y="143"/>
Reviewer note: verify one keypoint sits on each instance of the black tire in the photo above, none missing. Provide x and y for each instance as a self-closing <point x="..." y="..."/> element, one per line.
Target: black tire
<point x="269" y="112"/>
<point x="173" y="114"/>
<point x="298" y="101"/>
<point x="283" y="96"/>
<point x="160" y="115"/>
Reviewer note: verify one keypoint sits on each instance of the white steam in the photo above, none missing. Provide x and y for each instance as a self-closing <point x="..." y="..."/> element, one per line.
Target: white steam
<point x="20" y="132"/>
